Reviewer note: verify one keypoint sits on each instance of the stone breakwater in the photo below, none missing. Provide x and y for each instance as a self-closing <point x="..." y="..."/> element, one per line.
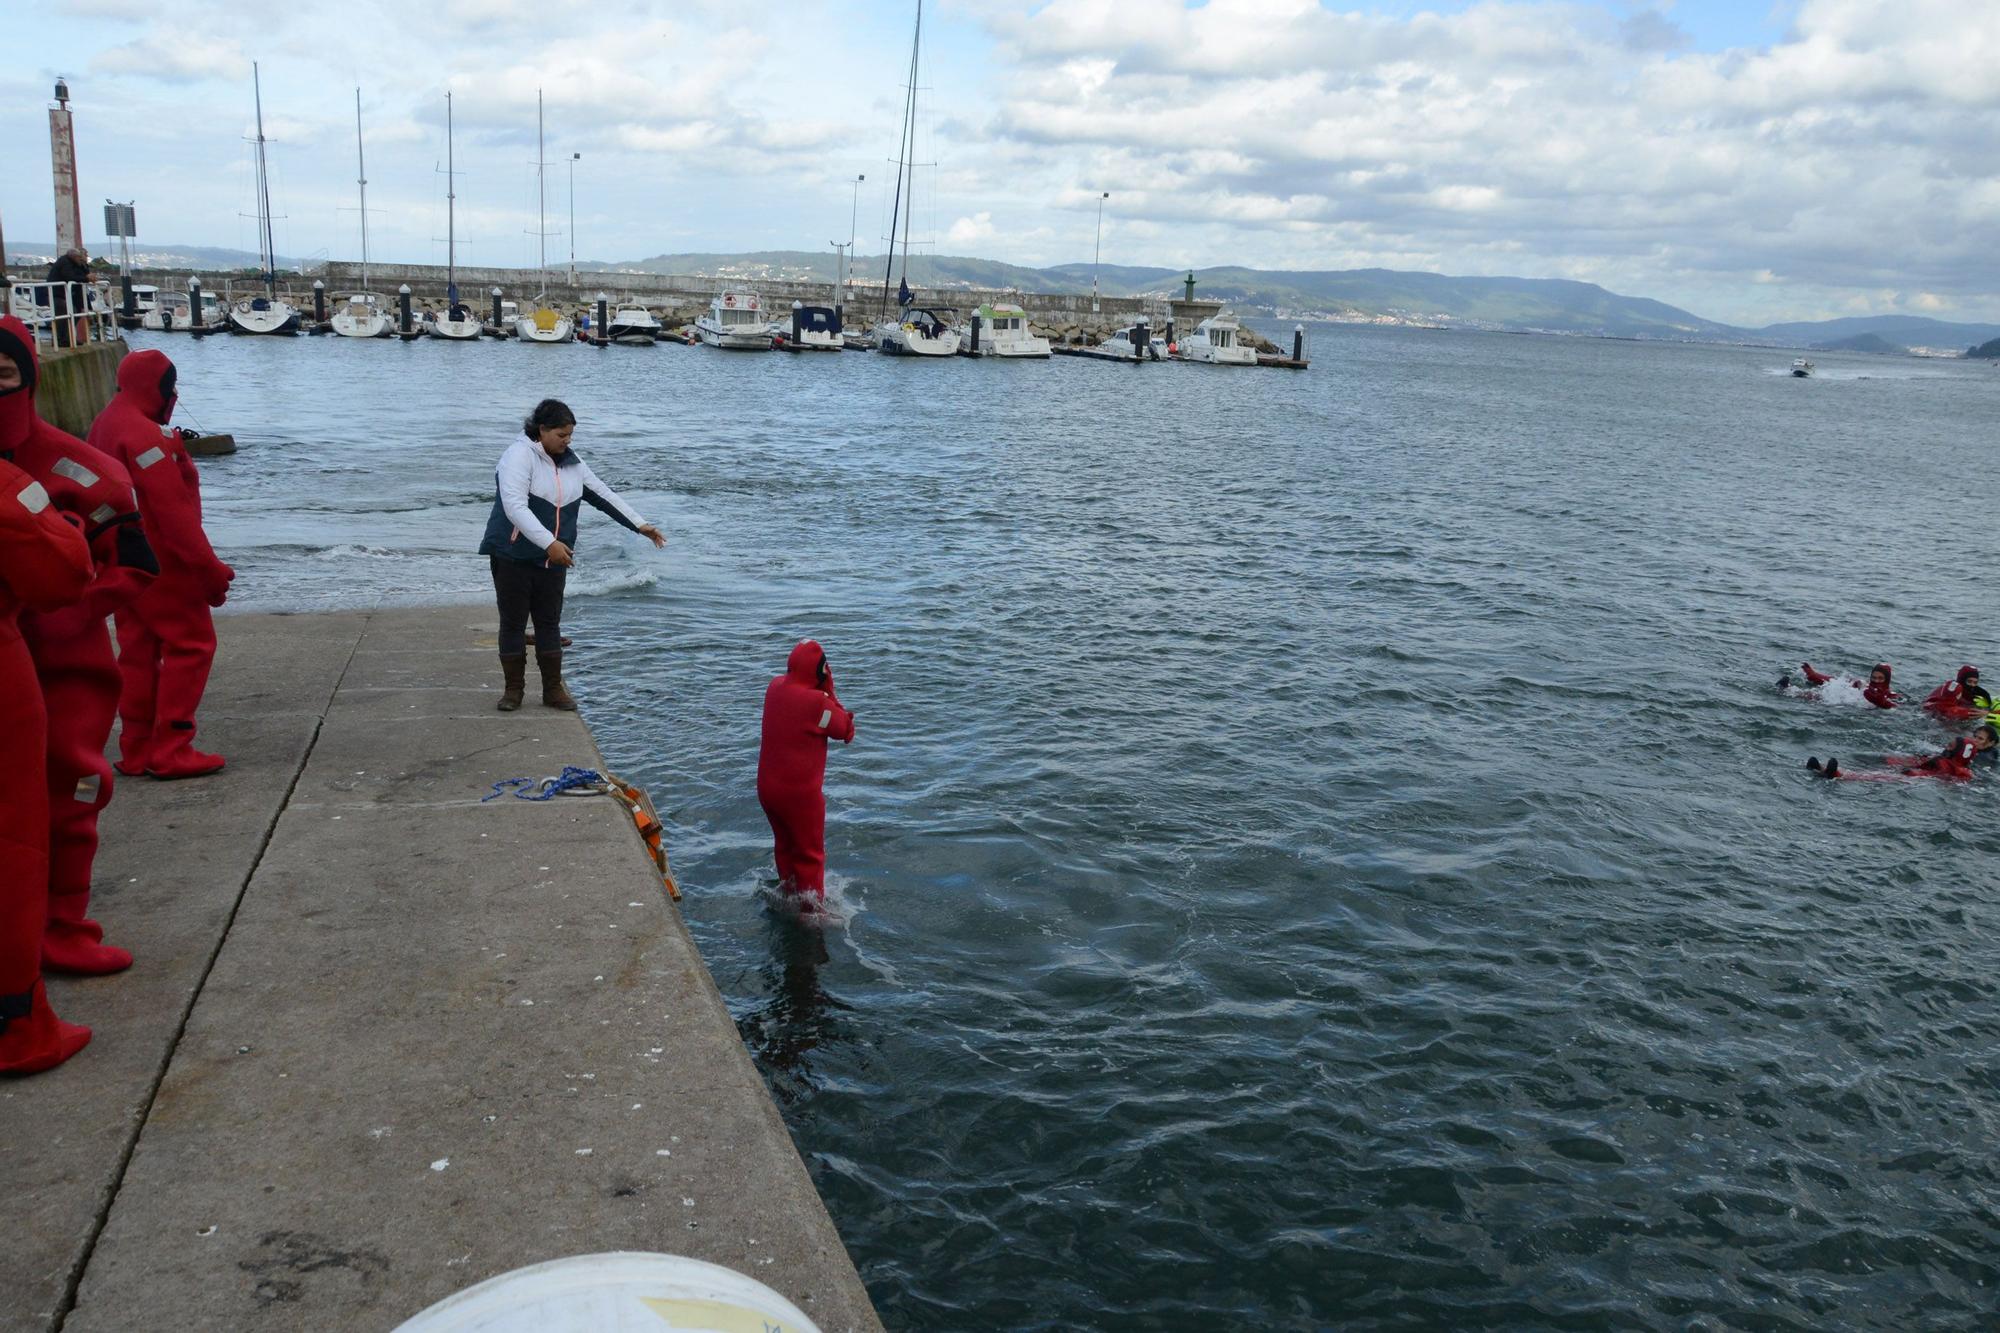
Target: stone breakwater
<point x="677" y="300"/>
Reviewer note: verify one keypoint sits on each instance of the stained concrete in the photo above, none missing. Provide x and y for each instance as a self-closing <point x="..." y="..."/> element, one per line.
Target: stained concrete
<point x="441" y="1039"/>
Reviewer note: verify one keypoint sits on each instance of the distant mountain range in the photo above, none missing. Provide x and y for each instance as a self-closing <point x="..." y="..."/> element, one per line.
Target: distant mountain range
<point x="1533" y="304"/>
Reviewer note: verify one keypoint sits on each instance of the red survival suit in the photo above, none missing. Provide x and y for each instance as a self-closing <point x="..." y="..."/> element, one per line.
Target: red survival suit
<point x="166" y="637"/>
<point x="1958" y="697"/>
<point x="74" y="661"/>
<point x="1882" y="696"/>
<point x="44" y="562"/>
<point x="800" y="713"/>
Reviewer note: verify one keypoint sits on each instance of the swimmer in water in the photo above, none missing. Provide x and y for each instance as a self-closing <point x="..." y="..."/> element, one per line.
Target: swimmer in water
<point x="1954" y="762"/>
<point x="1961" y="696"/>
<point x="1877" y="691"/>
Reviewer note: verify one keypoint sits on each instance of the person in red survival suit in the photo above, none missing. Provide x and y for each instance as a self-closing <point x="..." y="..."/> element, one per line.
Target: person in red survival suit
<point x="1877" y="691"/>
<point x="166" y="637"/>
<point x="44" y="563"/>
<point x="1960" y="697"/>
<point x="1953" y="763"/>
<point x="801" y="712"/>
<point x="74" y="661"/>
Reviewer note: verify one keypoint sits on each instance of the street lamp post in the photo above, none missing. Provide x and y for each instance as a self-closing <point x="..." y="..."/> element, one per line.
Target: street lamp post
<point x="574" y="158"/>
<point x="1097" y="250"/>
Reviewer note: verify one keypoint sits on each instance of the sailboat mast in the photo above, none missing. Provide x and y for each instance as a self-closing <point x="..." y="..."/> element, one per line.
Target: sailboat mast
<point x="911" y="152"/>
<point x="269" y="246"/>
<point x="902" y="156"/>
<point x="541" y="200"/>
<point x="361" y="179"/>
<point x="450" y="209"/>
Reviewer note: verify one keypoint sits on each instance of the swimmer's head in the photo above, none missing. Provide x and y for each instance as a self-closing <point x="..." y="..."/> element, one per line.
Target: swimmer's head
<point x="1880" y="675"/>
<point x="1986" y="737"/>
<point x="1968" y="675"/>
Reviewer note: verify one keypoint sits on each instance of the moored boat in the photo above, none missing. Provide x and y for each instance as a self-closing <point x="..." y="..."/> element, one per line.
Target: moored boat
<point x="812" y="328"/>
<point x="362" y="316"/>
<point x="265" y="314"/>
<point x="633" y="324"/>
<point x="1000" y="330"/>
<point x="1218" y="341"/>
<point x="734" y="322"/>
<point x="456" y="322"/>
<point x="919" y="332"/>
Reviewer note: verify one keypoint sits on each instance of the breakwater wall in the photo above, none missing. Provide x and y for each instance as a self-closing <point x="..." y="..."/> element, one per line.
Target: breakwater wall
<point x="676" y="297"/>
<point x="76" y="383"/>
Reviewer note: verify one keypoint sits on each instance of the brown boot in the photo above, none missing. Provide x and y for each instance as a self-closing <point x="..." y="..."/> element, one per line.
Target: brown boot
<point x="553" y="693"/>
<point x="515" y="667"/>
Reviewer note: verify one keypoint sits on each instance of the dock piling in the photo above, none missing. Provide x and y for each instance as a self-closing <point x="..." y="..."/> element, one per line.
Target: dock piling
<point x="603" y="329"/>
<point x="404" y="322"/>
<point x="319" y="303"/>
<point x="194" y="305"/>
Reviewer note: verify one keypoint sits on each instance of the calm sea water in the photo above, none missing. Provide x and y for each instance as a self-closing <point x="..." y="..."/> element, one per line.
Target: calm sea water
<point x="1322" y="850"/>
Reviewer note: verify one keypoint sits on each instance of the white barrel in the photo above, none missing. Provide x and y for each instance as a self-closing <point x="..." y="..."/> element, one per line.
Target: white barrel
<point x="615" y="1293"/>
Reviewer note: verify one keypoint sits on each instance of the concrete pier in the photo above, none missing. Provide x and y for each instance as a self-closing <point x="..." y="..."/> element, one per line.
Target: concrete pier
<point x="382" y="1041"/>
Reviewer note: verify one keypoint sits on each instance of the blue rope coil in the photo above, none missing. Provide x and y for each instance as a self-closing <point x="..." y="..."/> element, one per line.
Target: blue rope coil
<point x="545" y="789"/>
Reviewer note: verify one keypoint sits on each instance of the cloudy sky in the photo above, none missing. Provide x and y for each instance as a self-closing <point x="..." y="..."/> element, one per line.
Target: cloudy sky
<point x="1748" y="161"/>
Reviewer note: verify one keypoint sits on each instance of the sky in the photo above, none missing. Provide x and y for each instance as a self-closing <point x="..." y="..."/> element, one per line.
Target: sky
<point x="1750" y="162"/>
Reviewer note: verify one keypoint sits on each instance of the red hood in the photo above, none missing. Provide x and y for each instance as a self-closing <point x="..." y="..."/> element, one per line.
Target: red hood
<point x="804" y="664"/>
<point x="17" y="408"/>
<point x="1888" y="676"/>
<point x="1965" y="671"/>
<point x="146" y="382"/>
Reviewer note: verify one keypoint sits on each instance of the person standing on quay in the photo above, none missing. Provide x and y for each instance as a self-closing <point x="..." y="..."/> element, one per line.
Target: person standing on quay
<point x="166" y="636"/>
<point x="530" y="543"/>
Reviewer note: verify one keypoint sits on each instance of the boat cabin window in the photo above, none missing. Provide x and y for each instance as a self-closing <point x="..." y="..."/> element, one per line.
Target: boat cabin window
<point x="739" y="317"/>
<point x="1221" y="337"/>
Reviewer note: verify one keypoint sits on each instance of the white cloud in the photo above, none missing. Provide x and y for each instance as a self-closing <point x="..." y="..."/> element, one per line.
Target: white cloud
<point x="970" y="231"/>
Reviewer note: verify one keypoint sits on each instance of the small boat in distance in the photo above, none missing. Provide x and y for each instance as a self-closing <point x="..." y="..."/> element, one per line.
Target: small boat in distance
<point x="264" y="314"/>
<point x="1133" y="343"/>
<point x="361" y="316"/>
<point x="1802" y="368"/>
<point x="173" y="312"/>
<point x="735" y="323"/>
<point x="812" y="328"/>
<point x="1000" y="330"/>
<point x="633" y="324"/>
<point x="921" y="332"/>
<point x="1218" y="341"/>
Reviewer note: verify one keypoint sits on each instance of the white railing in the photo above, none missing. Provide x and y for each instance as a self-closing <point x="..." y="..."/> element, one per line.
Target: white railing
<point x="62" y="314"/>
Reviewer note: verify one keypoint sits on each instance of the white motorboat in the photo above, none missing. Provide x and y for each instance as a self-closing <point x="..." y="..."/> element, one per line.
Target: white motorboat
<point x="735" y="322"/>
<point x="543" y="324"/>
<point x="633" y="324"/>
<point x="361" y="316"/>
<point x="920" y="332"/>
<point x="1802" y="368"/>
<point x="812" y="328"/>
<point x="1218" y="341"/>
<point x="173" y="312"/>
<point x="456" y="321"/>
<point x="145" y="298"/>
<point x="264" y="314"/>
<point x="1132" y="343"/>
<point x="1000" y="330"/>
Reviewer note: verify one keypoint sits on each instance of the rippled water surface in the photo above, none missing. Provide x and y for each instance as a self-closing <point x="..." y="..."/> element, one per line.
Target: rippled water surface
<point x="1322" y="850"/>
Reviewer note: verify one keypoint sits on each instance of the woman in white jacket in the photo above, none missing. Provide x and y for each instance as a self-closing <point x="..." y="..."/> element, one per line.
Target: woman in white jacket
<point x="530" y="539"/>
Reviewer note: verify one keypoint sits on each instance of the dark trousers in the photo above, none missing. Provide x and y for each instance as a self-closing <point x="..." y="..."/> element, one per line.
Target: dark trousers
<point x="527" y="590"/>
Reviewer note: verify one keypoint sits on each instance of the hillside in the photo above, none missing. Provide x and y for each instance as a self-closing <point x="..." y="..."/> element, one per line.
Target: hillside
<point x="1986" y="351"/>
<point x="1503" y="303"/>
<point x="1900" y="330"/>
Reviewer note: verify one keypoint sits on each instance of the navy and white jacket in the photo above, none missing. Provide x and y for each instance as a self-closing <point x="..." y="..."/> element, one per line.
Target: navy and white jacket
<point x="535" y="500"/>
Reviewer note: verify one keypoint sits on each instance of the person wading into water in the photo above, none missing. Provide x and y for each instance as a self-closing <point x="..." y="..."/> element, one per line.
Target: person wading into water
<point x="530" y="540"/>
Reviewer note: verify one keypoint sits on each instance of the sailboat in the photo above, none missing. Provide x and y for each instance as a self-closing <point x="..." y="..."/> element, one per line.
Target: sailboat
<point x="266" y="313"/>
<point x="543" y="324"/>
<point x="915" y="331"/>
<point x="457" y="322"/>
<point x="362" y="315"/>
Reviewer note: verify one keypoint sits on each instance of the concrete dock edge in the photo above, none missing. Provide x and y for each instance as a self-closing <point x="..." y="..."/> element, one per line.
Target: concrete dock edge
<point x="384" y="1041"/>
